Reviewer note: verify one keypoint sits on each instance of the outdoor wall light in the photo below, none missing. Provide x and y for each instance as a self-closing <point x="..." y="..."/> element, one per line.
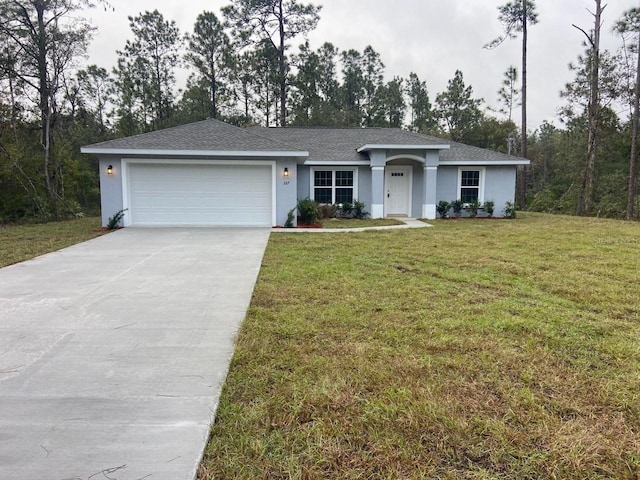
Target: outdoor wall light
<point x="286" y="172"/>
<point x="110" y="170"/>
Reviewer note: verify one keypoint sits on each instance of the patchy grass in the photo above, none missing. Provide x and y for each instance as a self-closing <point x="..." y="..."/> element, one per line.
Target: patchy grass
<point x="22" y="242"/>
<point x="475" y="349"/>
<point x="359" y="223"/>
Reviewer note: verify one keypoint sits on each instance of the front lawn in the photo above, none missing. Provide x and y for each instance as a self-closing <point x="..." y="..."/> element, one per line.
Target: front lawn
<point x="475" y="349"/>
<point x="22" y="242"/>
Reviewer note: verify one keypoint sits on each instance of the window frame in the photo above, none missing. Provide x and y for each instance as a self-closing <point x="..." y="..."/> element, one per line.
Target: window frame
<point x="481" y="181"/>
<point x="333" y="170"/>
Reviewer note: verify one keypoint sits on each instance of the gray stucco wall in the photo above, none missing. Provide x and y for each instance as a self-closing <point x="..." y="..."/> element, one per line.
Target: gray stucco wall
<point x="499" y="185"/>
<point x="286" y="192"/>
<point x="364" y="187"/>
<point x="304" y="173"/>
<point x="110" y="188"/>
<point x="447" y="186"/>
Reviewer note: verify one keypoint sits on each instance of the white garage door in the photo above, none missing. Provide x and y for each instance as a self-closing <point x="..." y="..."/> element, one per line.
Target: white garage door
<point x="191" y="194"/>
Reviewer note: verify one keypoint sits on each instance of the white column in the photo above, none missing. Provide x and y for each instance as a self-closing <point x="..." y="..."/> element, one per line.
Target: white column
<point x="377" y="192"/>
<point x="429" y="196"/>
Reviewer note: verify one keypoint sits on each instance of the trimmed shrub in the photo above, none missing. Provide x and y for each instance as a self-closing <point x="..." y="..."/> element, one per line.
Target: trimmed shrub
<point x="358" y="210"/>
<point x="473" y="207"/>
<point x="489" y="206"/>
<point x="457" y="206"/>
<point x="346" y="209"/>
<point x="326" y="210"/>
<point x="443" y="209"/>
<point x="308" y="210"/>
<point x="509" y="210"/>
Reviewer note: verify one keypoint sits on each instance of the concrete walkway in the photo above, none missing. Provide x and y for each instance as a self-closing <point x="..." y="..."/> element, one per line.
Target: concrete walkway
<point x="113" y="352"/>
<point x="408" y="223"/>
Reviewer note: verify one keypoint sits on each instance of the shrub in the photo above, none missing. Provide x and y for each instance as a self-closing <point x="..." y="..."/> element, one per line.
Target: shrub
<point x="443" y="209"/>
<point x="509" y="210"/>
<point x="489" y="206"/>
<point x="473" y="208"/>
<point x="290" y="217"/>
<point x="358" y="210"/>
<point x="346" y="209"/>
<point x="457" y="207"/>
<point x="114" y="222"/>
<point x="308" y="210"/>
<point x="326" y="210"/>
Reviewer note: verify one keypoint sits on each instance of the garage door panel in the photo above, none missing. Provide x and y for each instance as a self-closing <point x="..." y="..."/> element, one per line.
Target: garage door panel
<point x="175" y="194"/>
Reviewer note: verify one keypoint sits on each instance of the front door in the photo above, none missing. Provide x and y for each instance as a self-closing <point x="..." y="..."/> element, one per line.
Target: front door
<point x="397" y="190"/>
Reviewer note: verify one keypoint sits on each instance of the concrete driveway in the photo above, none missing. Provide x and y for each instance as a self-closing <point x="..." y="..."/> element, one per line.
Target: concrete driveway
<point x="113" y="352"/>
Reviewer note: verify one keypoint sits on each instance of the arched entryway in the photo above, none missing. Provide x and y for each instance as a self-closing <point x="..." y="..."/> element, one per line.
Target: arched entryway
<point x="399" y="186"/>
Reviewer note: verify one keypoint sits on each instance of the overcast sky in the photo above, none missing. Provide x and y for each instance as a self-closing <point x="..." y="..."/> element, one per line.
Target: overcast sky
<point x="430" y="37"/>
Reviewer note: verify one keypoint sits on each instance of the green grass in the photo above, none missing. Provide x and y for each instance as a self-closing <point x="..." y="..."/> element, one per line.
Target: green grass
<point x="359" y="223"/>
<point x="22" y="242"/>
<point x="475" y="349"/>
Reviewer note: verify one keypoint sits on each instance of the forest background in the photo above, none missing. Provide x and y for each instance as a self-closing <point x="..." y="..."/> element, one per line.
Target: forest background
<point x="252" y="63"/>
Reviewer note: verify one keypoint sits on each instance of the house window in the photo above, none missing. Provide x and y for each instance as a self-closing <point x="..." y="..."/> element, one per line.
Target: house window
<point x="470" y="185"/>
<point x="333" y="186"/>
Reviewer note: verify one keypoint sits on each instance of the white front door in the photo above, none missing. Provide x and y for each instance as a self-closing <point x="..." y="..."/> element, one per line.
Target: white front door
<point x="397" y="185"/>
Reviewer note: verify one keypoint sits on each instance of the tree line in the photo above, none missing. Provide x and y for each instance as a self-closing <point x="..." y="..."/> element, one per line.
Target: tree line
<point x="245" y="70"/>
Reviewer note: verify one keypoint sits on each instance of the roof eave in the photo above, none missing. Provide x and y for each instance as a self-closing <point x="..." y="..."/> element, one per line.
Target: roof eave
<point x="193" y="153"/>
<point x="484" y="162"/>
<point x="337" y="162"/>
<point x="391" y="146"/>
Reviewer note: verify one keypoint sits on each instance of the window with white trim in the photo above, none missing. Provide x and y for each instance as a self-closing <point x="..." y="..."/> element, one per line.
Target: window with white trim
<point x="333" y="185"/>
<point x="470" y="185"/>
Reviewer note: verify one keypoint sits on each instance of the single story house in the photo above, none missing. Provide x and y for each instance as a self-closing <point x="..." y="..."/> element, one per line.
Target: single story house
<point x="213" y="173"/>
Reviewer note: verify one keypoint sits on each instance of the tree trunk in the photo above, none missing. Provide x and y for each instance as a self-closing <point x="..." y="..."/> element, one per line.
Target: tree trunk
<point x="633" y="158"/>
<point x="522" y="170"/>
<point x="45" y="108"/>
<point x="213" y="109"/>
<point x="586" y="206"/>
<point x="214" y="94"/>
<point x="282" y="67"/>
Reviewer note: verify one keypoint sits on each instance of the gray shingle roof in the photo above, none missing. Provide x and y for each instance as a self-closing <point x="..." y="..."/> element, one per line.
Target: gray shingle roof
<point x="341" y="144"/>
<point x="206" y="135"/>
<point x="322" y="143"/>
<point x="461" y="152"/>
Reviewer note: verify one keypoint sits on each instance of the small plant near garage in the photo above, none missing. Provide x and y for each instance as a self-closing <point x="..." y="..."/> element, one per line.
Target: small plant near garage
<point x="115" y="221"/>
<point x="291" y="215"/>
